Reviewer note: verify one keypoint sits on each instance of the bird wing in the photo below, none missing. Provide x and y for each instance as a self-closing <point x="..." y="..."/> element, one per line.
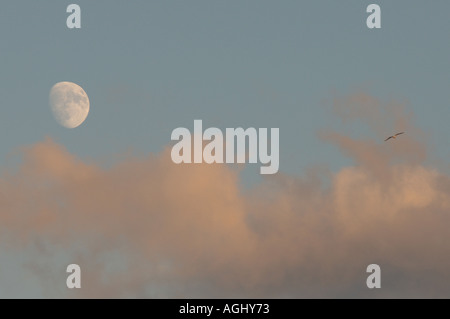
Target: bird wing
<point x="388" y="138"/>
<point x="399" y="133"/>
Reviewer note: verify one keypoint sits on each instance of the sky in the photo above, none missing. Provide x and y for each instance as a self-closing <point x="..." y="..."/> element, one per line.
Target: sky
<point x="107" y="196"/>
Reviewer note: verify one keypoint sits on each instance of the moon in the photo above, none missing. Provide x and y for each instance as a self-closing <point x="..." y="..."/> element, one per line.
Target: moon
<point x="69" y="104"/>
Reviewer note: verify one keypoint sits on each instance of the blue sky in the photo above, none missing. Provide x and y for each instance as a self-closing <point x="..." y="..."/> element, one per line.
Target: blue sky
<point x="151" y="66"/>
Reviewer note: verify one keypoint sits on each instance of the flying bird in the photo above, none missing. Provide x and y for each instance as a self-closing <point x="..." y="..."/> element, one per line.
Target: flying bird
<point x="394" y="136"/>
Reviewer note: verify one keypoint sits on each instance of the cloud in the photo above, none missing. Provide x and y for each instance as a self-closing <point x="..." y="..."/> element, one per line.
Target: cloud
<point x="146" y="227"/>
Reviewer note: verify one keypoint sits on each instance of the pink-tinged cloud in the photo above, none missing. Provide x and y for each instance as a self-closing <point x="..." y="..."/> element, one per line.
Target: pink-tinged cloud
<point x="146" y="227"/>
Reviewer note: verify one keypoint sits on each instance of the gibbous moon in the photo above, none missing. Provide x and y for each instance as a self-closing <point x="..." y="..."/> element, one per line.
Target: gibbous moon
<point x="69" y="104"/>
